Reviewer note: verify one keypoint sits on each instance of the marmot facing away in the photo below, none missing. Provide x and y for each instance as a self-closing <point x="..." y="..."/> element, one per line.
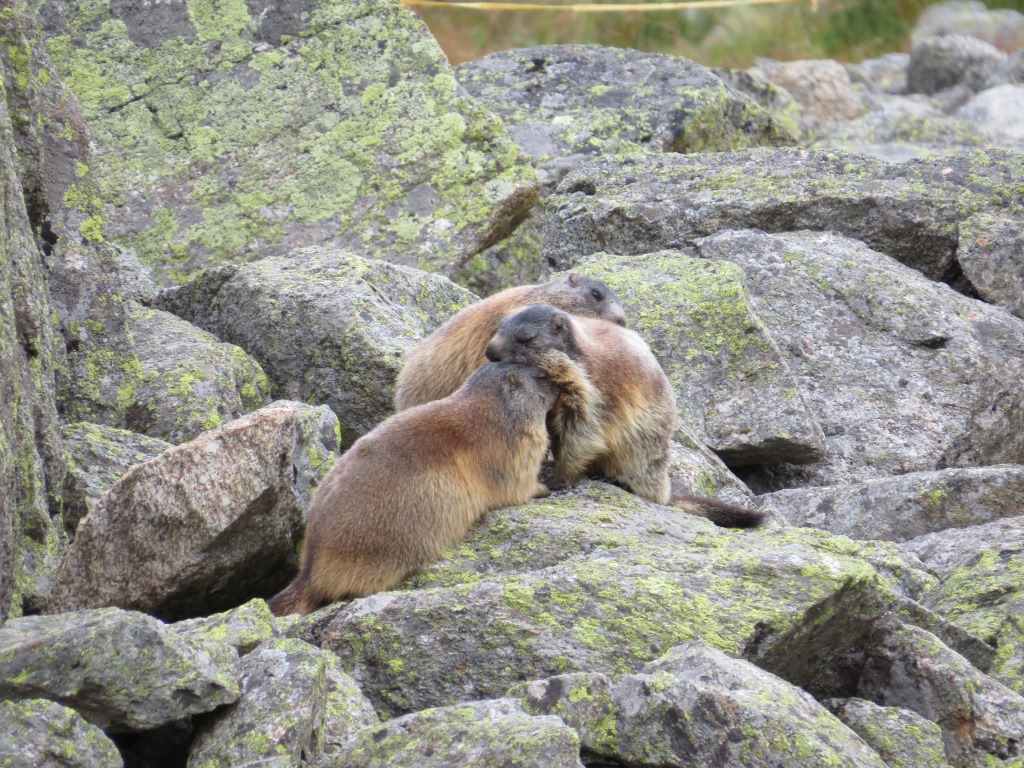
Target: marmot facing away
<point x="439" y="364"/>
<point x="412" y="487"/>
<point x="616" y="412"/>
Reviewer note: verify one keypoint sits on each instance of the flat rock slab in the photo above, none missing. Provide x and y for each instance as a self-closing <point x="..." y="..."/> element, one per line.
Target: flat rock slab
<point x="120" y="670"/>
<point x="234" y="134"/>
<point x="901" y="508"/>
<point x="43" y="734"/>
<point x="327" y="326"/>
<point x="198" y="529"/>
<point x="733" y="388"/>
<point x="646" y="203"/>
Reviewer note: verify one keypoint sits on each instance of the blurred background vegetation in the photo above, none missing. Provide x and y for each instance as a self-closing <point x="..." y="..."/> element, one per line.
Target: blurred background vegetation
<point x="847" y="30"/>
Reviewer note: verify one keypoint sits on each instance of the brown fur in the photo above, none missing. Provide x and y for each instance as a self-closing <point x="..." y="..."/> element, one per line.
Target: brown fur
<point x="439" y="364"/>
<point x="412" y="487"/>
<point x="617" y="410"/>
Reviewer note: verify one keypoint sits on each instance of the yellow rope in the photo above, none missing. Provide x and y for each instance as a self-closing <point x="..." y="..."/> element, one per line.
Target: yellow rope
<point x="592" y="7"/>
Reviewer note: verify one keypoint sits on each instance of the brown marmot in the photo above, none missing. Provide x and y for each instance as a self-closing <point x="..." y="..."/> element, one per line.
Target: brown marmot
<point x="439" y="364"/>
<point x="616" y="412"/>
<point x="411" y="488"/>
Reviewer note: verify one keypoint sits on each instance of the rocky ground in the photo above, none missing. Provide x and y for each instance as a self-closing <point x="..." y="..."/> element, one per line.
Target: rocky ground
<point x="225" y="223"/>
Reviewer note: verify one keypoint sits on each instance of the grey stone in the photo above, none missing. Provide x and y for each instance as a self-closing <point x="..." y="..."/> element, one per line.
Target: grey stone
<point x="733" y="388"/>
<point x="998" y="111"/>
<point x="42" y="734"/>
<point x="191" y="382"/>
<point x="243" y="628"/>
<point x="199" y="529"/>
<point x="120" y="670"/>
<point x="885" y="74"/>
<point x="318" y="443"/>
<point x="940" y="63"/>
<point x="476" y="733"/>
<point x="327" y="326"/>
<point x="236" y="135"/>
<point x="822" y="87"/>
<point x="98" y="456"/>
<point x="900" y="508"/>
<point x="903" y="738"/>
<point x="1001" y="27"/>
<point x="909" y="667"/>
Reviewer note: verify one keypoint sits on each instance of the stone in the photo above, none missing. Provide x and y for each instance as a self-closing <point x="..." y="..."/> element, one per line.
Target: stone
<point x="120" y="670"/>
<point x="191" y="382"/>
<point x="317" y="445"/>
<point x="250" y="132"/>
<point x="999" y="111"/>
<point x="243" y="628"/>
<point x="1001" y="27"/>
<point x="939" y="63"/>
<point x="821" y="87"/>
<point x="328" y="327"/>
<point x="199" y="529"/>
<point x="476" y="733"/>
<point x="43" y="734"/>
<point x="903" y="738"/>
<point x="901" y="508"/>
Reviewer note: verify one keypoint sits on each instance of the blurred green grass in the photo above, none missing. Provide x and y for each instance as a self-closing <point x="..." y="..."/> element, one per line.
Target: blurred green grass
<point x="847" y="30"/>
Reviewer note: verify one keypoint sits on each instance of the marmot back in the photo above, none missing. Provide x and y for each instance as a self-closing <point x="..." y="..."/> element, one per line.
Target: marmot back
<point x="439" y="364"/>
<point x="617" y="410"/>
<point x="412" y="487"/>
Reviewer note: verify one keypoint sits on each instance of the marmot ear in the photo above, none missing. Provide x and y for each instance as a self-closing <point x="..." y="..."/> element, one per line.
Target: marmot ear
<point x="574" y="279"/>
<point x="513" y="378"/>
<point x="558" y="322"/>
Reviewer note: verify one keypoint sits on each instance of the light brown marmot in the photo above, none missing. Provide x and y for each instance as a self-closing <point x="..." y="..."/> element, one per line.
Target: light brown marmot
<point x="617" y="411"/>
<point x="411" y="488"/>
<point x="439" y="364"/>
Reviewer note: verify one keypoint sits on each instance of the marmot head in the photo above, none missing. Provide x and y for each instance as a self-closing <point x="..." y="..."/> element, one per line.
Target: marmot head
<point x="525" y="388"/>
<point x="583" y="295"/>
<point x="524" y="336"/>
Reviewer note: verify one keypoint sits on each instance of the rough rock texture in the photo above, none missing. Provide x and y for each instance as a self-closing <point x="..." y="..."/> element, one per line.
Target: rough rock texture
<point x="938" y="63"/>
<point x="327" y="326"/>
<point x="199" y="529"/>
<point x="317" y="445"/>
<point x="900" y="508"/>
<point x="694" y="707"/>
<point x="991" y="252"/>
<point x="909" y="667"/>
<point x="480" y="733"/>
<point x="248" y="130"/>
<point x="822" y="88"/>
<point x="98" y="456"/>
<point x="642" y="204"/>
<point x="190" y="381"/>
<point x="733" y="389"/>
<point x="281" y="717"/>
<point x="981" y="588"/>
<point x="120" y="670"/>
<point x="243" y="628"/>
<point x="597" y="581"/>
<point x="31" y="465"/>
<point x="42" y="734"/>
<point x="903" y="738"/>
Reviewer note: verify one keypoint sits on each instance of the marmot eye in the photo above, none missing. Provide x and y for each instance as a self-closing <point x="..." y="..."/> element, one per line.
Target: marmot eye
<point x="524" y="338"/>
<point x="596" y="294"/>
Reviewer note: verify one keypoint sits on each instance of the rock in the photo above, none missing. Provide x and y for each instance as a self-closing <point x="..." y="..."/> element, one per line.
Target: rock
<point x="317" y="445"/>
<point x="190" y="381"/>
<point x="31" y="349"/>
<point x="243" y="628"/>
<point x="878" y="353"/>
<point x="1003" y="27"/>
<point x="281" y="716"/>
<point x="327" y="326"/>
<point x="998" y="110"/>
<point x="597" y="581"/>
<point x="885" y="74"/>
<point x="694" y="707"/>
<point x="42" y="734"/>
<point x="477" y="733"/>
<point x="778" y="101"/>
<point x="900" y="508"/>
<point x="903" y="738"/>
<point x="981" y="588"/>
<point x="910" y="668"/>
<point x="940" y="63"/>
<point x="242" y="134"/>
<point x="642" y="204"/>
<point x="821" y="87"/>
<point x="695" y="470"/>
<point x="733" y="389"/>
<point x="201" y="528"/>
<point x="120" y="670"/>
<point x="98" y="456"/>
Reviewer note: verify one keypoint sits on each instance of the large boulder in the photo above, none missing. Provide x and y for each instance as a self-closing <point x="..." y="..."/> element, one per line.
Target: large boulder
<point x="120" y="670"/>
<point x="327" y="326"/>
<point x="43" y="734"/>
<point x="903" y="738"/>
<point x="244" y="133"/>
<point x="201" y="528"/>
<point x="938" y="63"/>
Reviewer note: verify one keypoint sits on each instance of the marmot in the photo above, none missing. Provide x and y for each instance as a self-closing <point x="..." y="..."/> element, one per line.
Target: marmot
<point x="616" y="412"/>
<point x="436" y="366"/>
<point x="411" y="488"/>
